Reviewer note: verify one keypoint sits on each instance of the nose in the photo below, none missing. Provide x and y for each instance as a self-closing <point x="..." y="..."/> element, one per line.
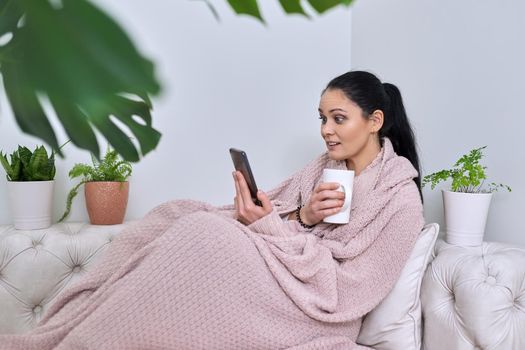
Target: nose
<point x="326" y="129"/>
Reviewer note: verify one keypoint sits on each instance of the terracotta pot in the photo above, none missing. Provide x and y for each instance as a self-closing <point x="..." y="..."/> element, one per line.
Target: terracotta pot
<point x="106" y="202"/>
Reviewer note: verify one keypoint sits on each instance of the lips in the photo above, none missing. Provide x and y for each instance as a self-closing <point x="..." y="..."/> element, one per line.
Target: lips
<point x="332" y="145"/>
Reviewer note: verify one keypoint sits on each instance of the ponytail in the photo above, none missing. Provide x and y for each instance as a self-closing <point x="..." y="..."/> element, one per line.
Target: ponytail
<point x="367" y="91"/>
<point x="398" y="129"/>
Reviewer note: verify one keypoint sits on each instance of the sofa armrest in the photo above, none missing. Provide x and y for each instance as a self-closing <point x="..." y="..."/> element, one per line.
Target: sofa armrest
<point x="474" y="298"/>
<point x="36" y="265"/>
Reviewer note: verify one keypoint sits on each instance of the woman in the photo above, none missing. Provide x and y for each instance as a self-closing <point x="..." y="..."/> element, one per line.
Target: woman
<point x="193" y="276"/>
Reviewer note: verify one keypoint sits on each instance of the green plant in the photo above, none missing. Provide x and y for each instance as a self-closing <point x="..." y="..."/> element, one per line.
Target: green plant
<point x="110" y="168"/>
<point x="251" y="7"/>
<point x="83" y="62"/>
<point x="467" y="175"/>
<point x="29" y="166"/>
<point x="86" y="65"/>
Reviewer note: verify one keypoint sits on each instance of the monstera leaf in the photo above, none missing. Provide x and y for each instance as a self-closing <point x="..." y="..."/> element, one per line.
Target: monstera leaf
<point x="251" y="7"/>
<point x="77" y="57"/>
<point x="84" y="63"/>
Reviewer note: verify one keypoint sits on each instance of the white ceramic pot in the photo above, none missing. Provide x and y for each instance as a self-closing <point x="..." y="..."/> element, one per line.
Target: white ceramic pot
<point x="465" y="217"/>
<point x="31" y="203"/>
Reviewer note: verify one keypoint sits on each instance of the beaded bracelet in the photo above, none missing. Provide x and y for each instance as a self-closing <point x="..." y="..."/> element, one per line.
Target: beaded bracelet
<point x="298" y="216"/>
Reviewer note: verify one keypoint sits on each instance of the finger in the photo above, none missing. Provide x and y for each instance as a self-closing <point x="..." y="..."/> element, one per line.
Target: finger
<point x="331" y="194"/>
<point x="331" y="203"/>
<point x="244" y="190"/>
<point x="240" y="201"/>
<point x="236" y="205"/>
<point x="236" y="185"/>
<point x="327" y="186"/>
<point x="267" y="204"/>
<point x="328" y="212"/>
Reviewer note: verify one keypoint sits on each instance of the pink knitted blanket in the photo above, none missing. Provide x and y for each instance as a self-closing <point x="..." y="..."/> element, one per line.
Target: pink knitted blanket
<point x="189" y="276"/>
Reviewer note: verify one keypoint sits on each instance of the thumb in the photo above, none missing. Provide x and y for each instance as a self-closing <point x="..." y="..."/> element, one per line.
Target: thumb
<point x="267" y="204"/>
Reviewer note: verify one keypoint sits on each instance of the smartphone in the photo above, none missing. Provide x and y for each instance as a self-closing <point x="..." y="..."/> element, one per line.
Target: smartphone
<point x="240" y="162"/>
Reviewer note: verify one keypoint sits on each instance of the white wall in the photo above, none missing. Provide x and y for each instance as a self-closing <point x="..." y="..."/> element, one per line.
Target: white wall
<point x="234" y="83"/>
<point x="460" y="67"/>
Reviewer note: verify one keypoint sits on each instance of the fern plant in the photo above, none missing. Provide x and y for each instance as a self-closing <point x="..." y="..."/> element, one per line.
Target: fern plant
<point x="467" y="176"/>
<point x="29" y="166"/>
<point x="111" y="168"/>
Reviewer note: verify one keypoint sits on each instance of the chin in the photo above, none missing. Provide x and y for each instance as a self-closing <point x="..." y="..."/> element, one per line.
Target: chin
<point x="335" y="156"/>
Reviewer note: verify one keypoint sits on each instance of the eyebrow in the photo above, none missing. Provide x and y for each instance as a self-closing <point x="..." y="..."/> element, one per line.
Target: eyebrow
<point x="333" y="110"/>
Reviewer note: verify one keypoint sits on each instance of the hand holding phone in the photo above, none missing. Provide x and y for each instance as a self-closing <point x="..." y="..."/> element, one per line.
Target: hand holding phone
<point x="240" y="162"/>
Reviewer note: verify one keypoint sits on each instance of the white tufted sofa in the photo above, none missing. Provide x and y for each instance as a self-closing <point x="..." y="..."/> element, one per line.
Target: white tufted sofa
<point x="35" y="266"/>
<point x="472" y="298"/>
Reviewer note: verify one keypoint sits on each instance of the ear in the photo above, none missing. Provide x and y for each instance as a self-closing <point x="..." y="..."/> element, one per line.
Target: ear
<point x="376" y="120"/>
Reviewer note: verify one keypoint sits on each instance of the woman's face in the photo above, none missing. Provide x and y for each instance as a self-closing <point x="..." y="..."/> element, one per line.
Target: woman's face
<point x="343" y="124"/>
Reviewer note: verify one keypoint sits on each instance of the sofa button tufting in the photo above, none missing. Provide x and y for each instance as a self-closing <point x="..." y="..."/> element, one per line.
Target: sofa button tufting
<point x="37" y="309"/>
<point x="76" y="268"/>
<point x="490" y="280"/>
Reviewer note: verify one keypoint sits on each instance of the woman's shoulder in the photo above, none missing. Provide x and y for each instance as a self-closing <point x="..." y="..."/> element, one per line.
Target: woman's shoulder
<point x="408" y="200"/>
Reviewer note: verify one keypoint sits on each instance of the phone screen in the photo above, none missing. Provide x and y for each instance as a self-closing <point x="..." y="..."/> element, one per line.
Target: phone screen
<point x="240" y="162"/>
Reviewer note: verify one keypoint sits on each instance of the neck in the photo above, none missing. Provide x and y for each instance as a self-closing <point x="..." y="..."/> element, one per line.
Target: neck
<point x="365" y="156"/>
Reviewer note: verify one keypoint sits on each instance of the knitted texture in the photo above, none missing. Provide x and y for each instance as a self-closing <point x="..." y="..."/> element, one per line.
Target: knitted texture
<point x="190" y="276"/>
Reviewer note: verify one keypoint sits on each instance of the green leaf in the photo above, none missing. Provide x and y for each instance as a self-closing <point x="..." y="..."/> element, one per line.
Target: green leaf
<point x="81" y="59"/>
<point x="27" y="109"/>
<point x="82" y="170"/>
<point x="76" y="124"/>
<point x="467" y="175"/>
<point x="292" y="6"/>
<point x="124" y="111"/>
<point x="16" y="165"/>
<point x="38" y="165"/>
<point x="248" y="7"/>
<point x="116" y="137"/>
<point x="7" y="167"/>
<point x="25" y="157"/>
<point x="251" y="7"/>
<point x="51" y="166"/>
<point x="322" y="6"/>
<point x="10" y="13"/>
<point x="69" y="199"/>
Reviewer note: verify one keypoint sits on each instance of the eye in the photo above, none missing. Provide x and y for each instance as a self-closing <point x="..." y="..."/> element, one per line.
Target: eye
<point x="339" y="119"/>
<point x="323" y="119"/>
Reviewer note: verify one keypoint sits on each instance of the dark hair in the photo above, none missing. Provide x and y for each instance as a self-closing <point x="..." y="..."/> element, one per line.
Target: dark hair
<point x="367" y="91"/>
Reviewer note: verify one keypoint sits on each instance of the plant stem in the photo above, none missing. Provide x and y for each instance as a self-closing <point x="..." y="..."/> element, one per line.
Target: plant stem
<point x="70" y="197"/>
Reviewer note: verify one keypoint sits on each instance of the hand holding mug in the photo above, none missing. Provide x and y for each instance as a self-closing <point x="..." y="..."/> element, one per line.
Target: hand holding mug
<point x="324" y="201"/>
<point x="345" y="179"/>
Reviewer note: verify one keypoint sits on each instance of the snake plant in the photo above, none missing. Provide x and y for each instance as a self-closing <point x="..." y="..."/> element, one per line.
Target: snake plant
<point x="29" y="166"/>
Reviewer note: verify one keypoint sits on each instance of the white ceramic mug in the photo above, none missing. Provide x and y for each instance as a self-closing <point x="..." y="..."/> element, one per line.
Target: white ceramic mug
<point x="345" y="178"/>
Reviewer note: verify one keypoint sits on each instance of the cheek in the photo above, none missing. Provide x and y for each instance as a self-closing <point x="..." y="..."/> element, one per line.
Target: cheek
<point x="353" y="136"/>
<point x="350" y="132"/>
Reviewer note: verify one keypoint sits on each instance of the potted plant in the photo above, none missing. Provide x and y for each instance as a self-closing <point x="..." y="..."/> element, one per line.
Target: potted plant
<point x="106" y="189"/>
<point x="30" y="177"/>
<point x="467" y="204"/>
